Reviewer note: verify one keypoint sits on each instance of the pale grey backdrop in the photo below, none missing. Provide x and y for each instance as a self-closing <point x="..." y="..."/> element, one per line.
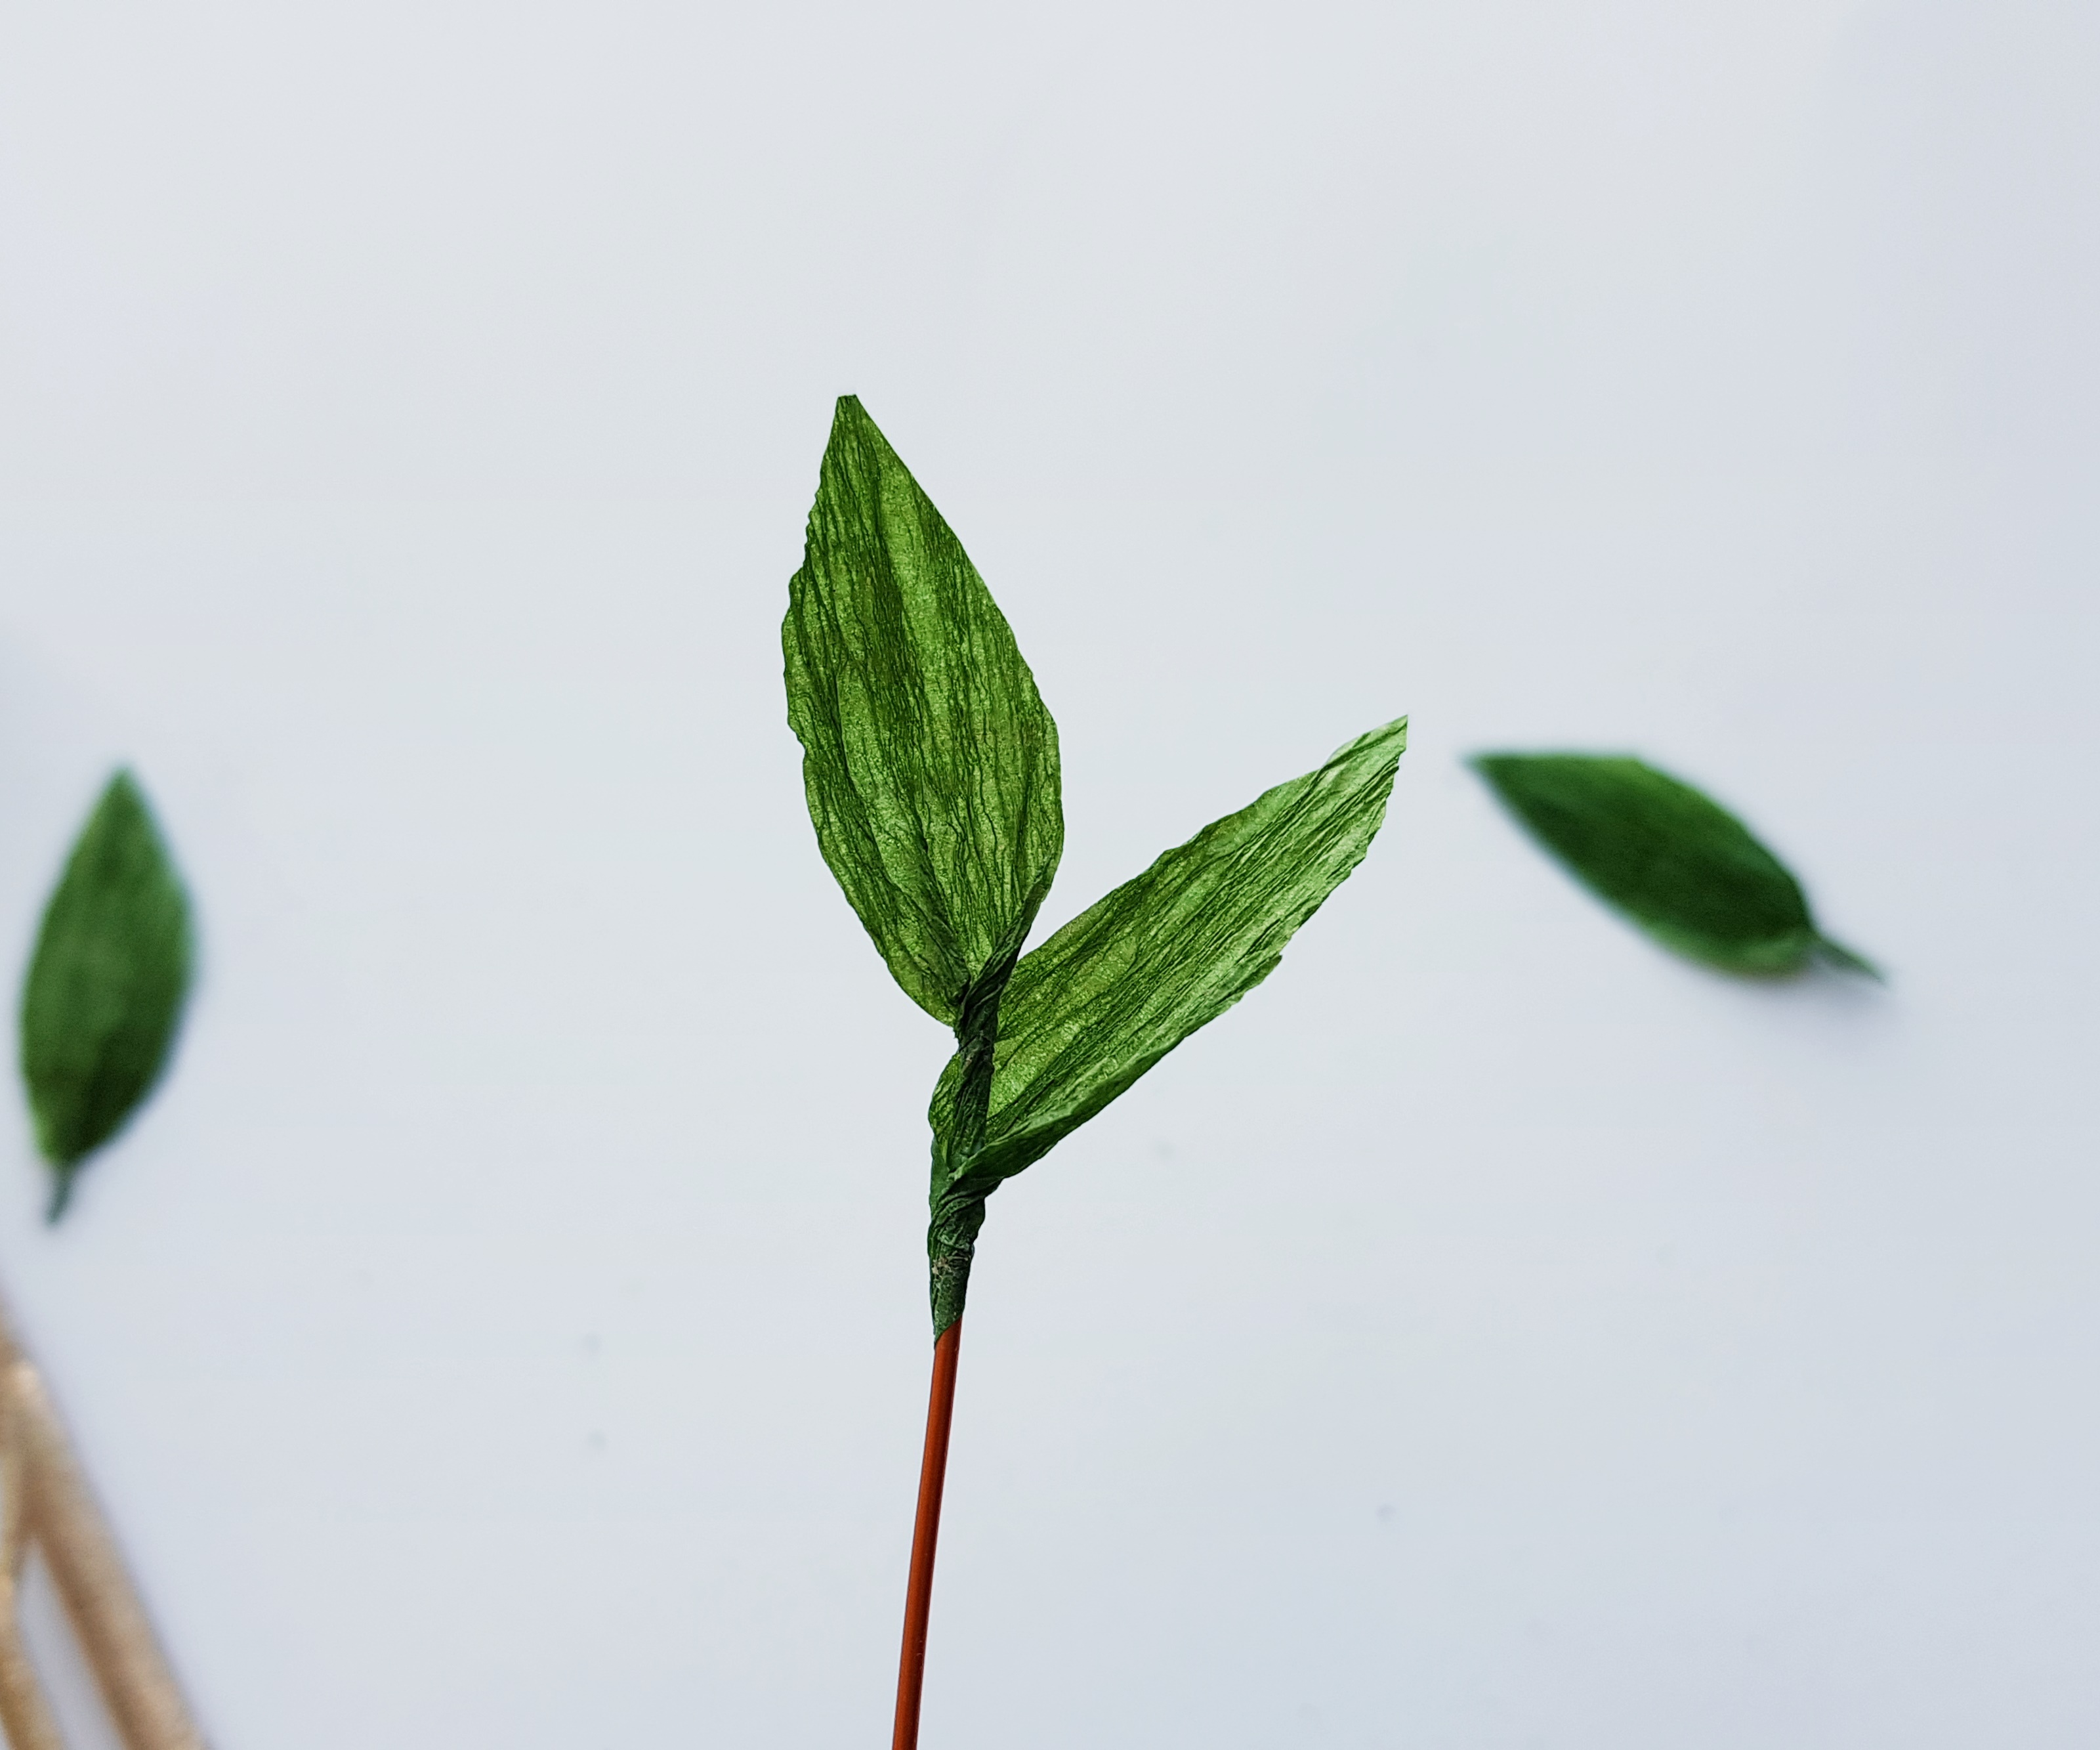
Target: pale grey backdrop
<point x="508" y="1326"/>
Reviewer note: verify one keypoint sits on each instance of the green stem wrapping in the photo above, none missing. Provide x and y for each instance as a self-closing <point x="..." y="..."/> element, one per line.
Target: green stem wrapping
<point x="957" y="1208"/>
<point x="950" y="1243"/>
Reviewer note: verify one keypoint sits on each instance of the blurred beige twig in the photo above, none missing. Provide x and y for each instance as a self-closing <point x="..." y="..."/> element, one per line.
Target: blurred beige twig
<point x="44" y="1500"/>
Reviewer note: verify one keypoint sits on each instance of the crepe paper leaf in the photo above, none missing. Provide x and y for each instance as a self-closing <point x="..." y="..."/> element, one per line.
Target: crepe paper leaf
<point x="1676" y="862"/>
<point x="928" y="759"/>
<point x="105" y="985"/>
<point x="1128" y="980"/>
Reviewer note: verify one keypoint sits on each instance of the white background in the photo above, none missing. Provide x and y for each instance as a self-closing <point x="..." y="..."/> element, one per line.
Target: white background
<point x="507" y="1325"/>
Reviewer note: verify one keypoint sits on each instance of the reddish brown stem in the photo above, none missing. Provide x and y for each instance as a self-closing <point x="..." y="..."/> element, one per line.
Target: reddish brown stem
<point x="925" y="1533"/>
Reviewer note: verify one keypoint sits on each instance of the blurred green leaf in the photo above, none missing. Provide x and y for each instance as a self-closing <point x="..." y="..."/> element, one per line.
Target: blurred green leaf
<point x="105" y="985"/>
<point x="930" y="760"/>
<point x="1676" y="863"/>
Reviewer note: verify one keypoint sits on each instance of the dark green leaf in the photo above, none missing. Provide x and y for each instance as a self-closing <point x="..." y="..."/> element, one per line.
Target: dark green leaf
<point x="105" y="985"/>
<point x="1678" y="864"/>
<point x="930" y="760"/>
<point x="1120" y="986"/>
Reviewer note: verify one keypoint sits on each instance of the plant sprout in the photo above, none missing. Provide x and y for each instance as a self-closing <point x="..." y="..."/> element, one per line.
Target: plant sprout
<point x="930" y="763"/>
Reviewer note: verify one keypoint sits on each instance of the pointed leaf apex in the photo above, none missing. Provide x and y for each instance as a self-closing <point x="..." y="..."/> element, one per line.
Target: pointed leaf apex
<point x="1841" y="958"/>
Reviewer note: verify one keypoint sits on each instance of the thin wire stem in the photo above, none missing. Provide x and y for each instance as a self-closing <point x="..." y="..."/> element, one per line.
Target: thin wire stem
<point x="925" y="1533"/>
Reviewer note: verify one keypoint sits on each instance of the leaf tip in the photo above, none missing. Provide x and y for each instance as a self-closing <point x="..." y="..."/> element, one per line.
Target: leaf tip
<point x="1840" y="958"/>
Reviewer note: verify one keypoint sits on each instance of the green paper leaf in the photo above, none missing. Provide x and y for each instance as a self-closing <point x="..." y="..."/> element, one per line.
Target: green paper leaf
<point x="930" y="760"/>
<point x="1123" y="984"/>
<point x="105" y="985"/>
<point x="1678" y="864"/>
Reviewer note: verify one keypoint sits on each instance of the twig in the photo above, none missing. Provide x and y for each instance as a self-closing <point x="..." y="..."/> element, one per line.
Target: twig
<point x="47" y="1502"/>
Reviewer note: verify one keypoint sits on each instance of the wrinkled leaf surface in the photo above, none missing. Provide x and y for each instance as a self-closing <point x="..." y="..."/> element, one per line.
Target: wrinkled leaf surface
<point x="1116" y="989"/>
<point x="930" y="760"/>
<point x="1672" y="860"/>
<point x="105" y="985"/>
